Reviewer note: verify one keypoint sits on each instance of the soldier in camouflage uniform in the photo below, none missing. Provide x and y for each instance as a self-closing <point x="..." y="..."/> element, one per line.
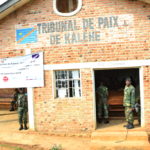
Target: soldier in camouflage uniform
<point x="129" y="103"/>
<point x="22" y="109"/>
<point x="102" y="103"/>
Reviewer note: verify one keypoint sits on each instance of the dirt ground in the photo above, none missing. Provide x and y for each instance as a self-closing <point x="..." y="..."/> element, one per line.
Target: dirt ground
<point x="10" y="146"/>
<point x="30" y="140"/>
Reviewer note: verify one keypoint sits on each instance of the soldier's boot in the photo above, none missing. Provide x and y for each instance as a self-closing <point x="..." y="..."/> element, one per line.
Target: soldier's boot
<point x="130" y="126"/>
<point x="21" y="127"/>
<point x="25" y="127"/>
<point x="106" y="121"/>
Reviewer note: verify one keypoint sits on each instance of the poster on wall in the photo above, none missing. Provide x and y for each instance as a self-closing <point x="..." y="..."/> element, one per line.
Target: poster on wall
<point x="23" y="71"/>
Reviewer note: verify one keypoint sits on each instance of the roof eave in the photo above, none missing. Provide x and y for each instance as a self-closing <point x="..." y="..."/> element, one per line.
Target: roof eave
<point x="8" y="8"/>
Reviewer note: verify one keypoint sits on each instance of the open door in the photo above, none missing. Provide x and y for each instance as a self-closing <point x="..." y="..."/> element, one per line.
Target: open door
<point x="115" y="81"/>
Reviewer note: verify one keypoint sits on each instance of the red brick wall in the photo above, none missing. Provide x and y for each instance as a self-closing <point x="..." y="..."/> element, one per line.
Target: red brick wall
<point x="65" y="116"/>
<point x="77" y="115"/>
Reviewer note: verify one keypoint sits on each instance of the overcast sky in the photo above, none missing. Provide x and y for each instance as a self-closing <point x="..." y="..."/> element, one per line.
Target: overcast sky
<point x="2" y="1"/>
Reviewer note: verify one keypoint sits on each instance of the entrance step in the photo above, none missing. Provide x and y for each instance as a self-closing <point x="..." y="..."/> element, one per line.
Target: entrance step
<point x="119" y="140"/>
<point x="117" y="136"/>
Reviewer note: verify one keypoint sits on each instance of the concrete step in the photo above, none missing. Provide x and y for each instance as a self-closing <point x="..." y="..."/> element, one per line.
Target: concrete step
<point x="121" y="135"/>
<point x="120" y="139"/>
<point x="119" y="145"/>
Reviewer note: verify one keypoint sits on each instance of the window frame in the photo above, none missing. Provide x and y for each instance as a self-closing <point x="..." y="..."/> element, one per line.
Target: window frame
<point x="55" y="88"/>
<point x="67" y="14"/>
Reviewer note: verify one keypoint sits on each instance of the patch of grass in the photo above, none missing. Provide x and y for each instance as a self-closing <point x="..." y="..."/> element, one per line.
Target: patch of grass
<point x="18" y="148"/>
<point x="11" y="147"/>
<point x="56" y="147"/>
<point x="6" y="146"/>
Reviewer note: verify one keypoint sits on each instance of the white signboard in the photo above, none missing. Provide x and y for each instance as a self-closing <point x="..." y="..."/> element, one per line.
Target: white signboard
<point x="23" y="71"/>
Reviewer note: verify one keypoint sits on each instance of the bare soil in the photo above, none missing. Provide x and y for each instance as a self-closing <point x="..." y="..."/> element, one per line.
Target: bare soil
<point x="10" y="146"/>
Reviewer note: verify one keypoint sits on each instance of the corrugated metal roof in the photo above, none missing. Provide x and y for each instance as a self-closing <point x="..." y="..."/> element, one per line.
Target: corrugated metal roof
<point x="3" y="1"/>
<point x="8" y="6"/>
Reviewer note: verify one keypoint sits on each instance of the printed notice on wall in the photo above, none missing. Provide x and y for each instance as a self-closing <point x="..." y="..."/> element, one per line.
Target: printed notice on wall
<point x="103" y="29"/>
<point x="23" y="71"/>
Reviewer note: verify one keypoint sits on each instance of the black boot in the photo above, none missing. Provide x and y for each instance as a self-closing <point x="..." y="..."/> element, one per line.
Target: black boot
<point x="25" y="127"/>
<point x="106" y="121"/>
<point x="130" y="126"/>
<point x="21" y="127"/>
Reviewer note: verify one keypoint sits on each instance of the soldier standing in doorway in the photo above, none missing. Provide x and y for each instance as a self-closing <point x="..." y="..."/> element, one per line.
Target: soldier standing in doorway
<point x="22" y="108"/>
<point x="102" y="103"/>
<point x="129" y="103"/>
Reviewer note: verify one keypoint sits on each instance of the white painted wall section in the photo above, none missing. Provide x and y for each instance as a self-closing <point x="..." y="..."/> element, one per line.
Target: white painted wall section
<point x="99" y="65"/>
<point x="142" y="96"/>
<point x="30" y="102"/>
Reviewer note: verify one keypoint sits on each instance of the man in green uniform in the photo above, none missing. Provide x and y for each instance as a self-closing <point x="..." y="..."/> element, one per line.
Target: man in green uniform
<point x="102" y="103"/>
<point x="129" y="103"/>
<point x="22" y="108"/>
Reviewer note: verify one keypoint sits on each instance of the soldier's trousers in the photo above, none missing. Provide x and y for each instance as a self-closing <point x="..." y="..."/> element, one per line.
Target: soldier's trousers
<point x="22" y="115"/>
<point x="129" y="115"/>
<point x="103" y="110"/>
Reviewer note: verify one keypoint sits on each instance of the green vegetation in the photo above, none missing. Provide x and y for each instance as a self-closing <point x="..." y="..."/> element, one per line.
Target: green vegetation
<point x="19" y="148"/>
<point x="56" y="147"/>
<point x="11" y="147"/>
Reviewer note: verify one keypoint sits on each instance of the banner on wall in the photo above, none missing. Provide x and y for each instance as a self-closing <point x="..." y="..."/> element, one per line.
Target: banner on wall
<point x="23" y="71"/>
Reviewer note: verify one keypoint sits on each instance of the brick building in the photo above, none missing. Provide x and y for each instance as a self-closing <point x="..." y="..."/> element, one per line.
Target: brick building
<point x="84" y="42"/>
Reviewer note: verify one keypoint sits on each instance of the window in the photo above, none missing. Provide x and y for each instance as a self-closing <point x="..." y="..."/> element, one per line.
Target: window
<point x="67" y="7"/>
<point x="67" y="84"/>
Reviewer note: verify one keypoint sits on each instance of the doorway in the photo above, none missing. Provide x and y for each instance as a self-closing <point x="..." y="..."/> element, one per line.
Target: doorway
<point x="114" y="79"/>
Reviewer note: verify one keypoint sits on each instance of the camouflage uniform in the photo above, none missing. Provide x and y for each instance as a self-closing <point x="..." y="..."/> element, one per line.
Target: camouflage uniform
<point x="129" y="103"/>
<point x="22" y="108"/>
<point x="137" y="101"/>
<point x="102" y="101"/>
